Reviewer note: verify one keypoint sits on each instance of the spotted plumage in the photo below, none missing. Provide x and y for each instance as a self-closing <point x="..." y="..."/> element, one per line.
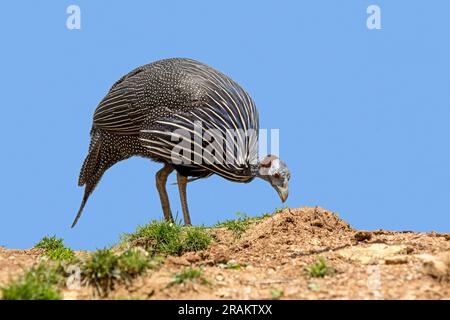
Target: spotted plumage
<point x="145" y="111"/>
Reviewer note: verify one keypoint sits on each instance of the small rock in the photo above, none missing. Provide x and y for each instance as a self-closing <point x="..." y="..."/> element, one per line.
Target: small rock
<point x="363" y="235"/>
<point x="179" y="261"/>
<point x="192" y="257"/>
<point x="289" y="219"/>
<point x="219" y="254"/>
<point x="372" y="254"/>
<point x="245" y="244"/>
<point x="409" y="250"/>
<point x="317" y="223"/>
<point x="219" y="277"/>
<point x="437" y="266"/>
<point x="381" y="232"/>
<point x="396" y="260"/>
<point x="220" y="257"/>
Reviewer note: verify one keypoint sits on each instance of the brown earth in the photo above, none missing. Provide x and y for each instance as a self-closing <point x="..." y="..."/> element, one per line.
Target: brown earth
<point x="274" y="253"/>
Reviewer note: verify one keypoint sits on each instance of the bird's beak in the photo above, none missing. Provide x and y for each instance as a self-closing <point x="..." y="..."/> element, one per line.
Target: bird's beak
<point x="283" y="192"/>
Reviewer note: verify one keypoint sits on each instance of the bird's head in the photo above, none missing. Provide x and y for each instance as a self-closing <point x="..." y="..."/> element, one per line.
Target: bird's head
<point x="275" y="171"/>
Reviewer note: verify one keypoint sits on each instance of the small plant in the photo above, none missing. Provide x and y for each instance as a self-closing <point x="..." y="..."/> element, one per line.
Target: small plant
<point x="278" y="210"/>
<point x="319" y="269"/>
<point x="276" y="294"/>
<point x="265" y="215"/>
<point x="188" y="274"/>
<point x="231" y="265"/>
<point x="101" y="270"/>
<point x="38" y="283"/>
<point x="54" y="249"/>
<point x="104" y="269"/>
<point x="238" y="225"/>
<point x="261" y="217"/>
<point x="132" y="263"/>
<point x="196" y="239"/>
<point x="169" y="238"/>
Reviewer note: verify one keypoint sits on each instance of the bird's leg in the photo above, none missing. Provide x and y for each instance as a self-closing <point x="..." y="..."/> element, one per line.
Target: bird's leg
<point x="182" y="182"/>
<point x="161" y="179"/>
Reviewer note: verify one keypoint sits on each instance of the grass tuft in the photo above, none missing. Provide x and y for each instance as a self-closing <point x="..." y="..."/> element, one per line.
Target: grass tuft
<point x="38" y="283"/>
<point x="104" y="269"/>
<point x="196" y="239"/>
<point x="168" y="238"/>
<point x="238" y="226"/>
<point x="319" y="269"/>
<point x="276" y="294"/>
<point x="54" y="249"/>
<point x="101" y="270"/>
<point x="279" y="210"/>
<point x="188" y="275"/>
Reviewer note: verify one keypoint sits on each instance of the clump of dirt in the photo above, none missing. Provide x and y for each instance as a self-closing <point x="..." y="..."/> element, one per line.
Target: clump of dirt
<point x="293" y="233"/>
<point x="272" y="257"/>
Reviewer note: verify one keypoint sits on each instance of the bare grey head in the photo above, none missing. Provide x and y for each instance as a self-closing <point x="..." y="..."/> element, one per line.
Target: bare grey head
<point x="275" y="171"/>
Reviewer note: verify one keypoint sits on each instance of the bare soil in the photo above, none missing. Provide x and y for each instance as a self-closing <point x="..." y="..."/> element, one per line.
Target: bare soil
<point x="274" y="254"/>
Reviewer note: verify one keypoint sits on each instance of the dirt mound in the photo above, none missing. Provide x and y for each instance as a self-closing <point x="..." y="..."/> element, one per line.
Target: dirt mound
<point x="273" y="258"/>
<point x="293" y="233"/>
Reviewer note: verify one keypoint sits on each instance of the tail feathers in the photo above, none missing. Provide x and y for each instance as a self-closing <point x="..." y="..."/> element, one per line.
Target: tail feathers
<point x="91" y="171"/>
<point x="99" y="159"/>
<point x="90" y="176"/>
<point x="87" y="192"/>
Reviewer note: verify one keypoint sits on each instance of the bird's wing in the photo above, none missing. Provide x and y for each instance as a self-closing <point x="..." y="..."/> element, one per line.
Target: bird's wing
<point x="224" y="109"/>
<point x="119" y="111"/>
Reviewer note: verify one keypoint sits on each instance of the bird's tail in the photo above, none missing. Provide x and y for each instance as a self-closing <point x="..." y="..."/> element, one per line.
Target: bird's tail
<point x="87" y="192"/>
<point x="92" y="170"/>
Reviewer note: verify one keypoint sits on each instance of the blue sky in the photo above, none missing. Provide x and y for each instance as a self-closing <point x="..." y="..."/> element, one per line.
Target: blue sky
<point x="363" y="114"/>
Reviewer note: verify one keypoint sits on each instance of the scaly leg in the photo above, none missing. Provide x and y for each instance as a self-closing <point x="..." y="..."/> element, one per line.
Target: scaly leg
<point x="182" y="182"/>
<point x="161" y="179"/>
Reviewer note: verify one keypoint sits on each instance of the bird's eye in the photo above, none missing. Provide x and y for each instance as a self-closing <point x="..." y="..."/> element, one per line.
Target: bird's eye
<point x="276" y="175"/>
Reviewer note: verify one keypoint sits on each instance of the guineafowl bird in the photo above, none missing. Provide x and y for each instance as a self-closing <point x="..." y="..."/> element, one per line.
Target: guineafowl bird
<point x="187" y="116"/>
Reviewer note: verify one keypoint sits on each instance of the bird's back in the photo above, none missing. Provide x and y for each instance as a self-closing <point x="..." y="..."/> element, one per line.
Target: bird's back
<point x="154" y="100"/>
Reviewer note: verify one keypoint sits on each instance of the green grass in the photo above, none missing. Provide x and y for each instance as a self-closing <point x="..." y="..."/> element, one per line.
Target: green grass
<point x="279" y="210"/>
<point x="196" y="239"/>
<point x="168" y="238"/>
<point x="319" y="269"/>
<point x="238" y="226"/>
<point x="38" y="283"/>
<point x="101" y="270"/>
<point x="132" y="263"/>
<point x="54" y="249"/>
<point x="186" y="275"/>
<point x="276" y="294"/>
<point x="104" y="269"/>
